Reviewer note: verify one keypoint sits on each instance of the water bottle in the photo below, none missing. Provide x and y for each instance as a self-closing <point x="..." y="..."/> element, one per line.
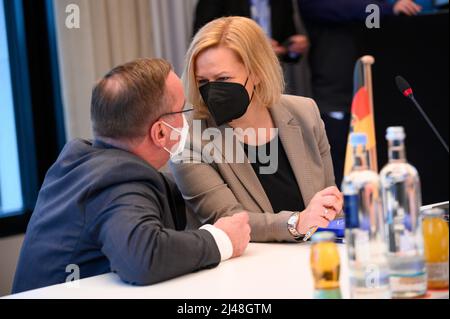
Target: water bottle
<point x="364" y="227"/>
<point x="402" y="201"/>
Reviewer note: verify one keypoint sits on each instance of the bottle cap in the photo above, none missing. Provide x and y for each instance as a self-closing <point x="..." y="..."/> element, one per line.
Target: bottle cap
<point x="395" y="133"/>
<point x="357" y="139"/>
<point x="323" y="237"/>
<point x="433" y="212"/>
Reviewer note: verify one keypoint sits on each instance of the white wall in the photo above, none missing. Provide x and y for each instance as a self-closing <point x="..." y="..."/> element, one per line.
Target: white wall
<point x="172" y="25"/>
<point x="9" y="255"/>
<point x="113" y="32"/>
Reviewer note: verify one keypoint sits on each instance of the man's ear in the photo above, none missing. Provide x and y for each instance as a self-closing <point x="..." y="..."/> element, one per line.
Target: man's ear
<point x="157" y="133"/>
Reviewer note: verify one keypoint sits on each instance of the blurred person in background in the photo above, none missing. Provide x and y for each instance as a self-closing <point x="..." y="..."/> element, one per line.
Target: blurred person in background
<point x="331" y="26"/>
<point x="275" y="17"/>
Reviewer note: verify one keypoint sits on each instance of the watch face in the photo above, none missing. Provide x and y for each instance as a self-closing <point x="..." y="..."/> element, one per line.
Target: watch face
<point x="292" y="225"/>
<point x="293" y="221"/>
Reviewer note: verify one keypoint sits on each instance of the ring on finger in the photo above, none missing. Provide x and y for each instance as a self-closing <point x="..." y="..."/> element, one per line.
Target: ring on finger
<point x="326" y="214"/>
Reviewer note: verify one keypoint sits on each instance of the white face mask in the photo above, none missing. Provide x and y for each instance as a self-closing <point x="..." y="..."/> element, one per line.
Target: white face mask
<point x="178" y="148"/>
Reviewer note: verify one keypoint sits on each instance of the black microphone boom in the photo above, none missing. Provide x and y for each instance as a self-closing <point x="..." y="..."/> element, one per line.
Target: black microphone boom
<point x="407" y="91"/>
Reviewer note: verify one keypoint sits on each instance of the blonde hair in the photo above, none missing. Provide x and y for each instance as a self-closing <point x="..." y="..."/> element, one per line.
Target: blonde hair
<point x="252" y="46"/>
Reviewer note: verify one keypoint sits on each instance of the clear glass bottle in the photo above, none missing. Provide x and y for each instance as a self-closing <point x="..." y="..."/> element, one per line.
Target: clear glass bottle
<point x="364" y="227"/>
<point x="402" y="201"/>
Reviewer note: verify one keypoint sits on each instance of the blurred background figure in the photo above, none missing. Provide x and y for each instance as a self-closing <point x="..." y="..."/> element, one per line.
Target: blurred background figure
<point x="276" y="17"/>
<point x="333" y="53"/>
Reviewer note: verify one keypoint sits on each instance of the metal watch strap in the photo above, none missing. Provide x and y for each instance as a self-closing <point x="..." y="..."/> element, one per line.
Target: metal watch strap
<point x="292" y="226"/>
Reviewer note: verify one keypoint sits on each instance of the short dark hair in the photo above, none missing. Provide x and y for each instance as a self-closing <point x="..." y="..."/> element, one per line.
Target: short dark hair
<point x="130" y="97"/>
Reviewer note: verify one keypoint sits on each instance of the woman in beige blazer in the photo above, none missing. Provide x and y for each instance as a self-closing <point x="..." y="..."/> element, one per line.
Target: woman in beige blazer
<point x="235" y="82"/>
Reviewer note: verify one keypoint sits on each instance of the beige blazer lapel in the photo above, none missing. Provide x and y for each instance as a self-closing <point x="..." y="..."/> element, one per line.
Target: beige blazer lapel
<point x="291" y="137"/>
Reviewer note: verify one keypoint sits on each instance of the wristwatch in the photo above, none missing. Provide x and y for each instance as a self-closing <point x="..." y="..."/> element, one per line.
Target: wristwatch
<point x="292" y="226"/>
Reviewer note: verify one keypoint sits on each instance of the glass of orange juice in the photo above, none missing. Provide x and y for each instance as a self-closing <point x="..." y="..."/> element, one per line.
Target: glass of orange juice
<point x="436" y="240"/>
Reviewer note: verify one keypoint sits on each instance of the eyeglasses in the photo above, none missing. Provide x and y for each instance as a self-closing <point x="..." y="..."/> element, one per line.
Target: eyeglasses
<point x="179" y="112"/>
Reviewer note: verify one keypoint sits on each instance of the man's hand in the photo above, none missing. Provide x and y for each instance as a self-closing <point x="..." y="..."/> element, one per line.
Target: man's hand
<point x="278" y="48"/>
<point x="299" y="44"/>
<point x="238" y="230"/>
<point x="322" y="209"/>
<point x="407" y="7"/>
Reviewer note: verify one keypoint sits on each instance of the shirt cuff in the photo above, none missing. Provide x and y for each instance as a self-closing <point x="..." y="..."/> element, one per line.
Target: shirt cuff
<point x="222" y="240"/>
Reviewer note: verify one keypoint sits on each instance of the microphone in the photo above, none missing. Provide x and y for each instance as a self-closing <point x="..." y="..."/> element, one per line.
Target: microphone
<point x="407" y="91"/>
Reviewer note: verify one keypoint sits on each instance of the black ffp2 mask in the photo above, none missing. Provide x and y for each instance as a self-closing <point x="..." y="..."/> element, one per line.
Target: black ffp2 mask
<point x="226" y="101"/>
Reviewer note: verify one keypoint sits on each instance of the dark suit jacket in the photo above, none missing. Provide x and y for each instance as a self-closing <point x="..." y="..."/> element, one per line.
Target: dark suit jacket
<point x="334" y="29"/>
<point x="104" y="209"/>
<point x="283" y="26"/>
<point x="341" y="11"/>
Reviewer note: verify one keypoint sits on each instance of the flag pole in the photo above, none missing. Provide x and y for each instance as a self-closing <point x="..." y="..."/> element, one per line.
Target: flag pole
<point x="367" y="62"/>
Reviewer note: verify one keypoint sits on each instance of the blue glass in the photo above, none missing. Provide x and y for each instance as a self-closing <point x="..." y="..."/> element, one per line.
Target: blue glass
<point x="336" y="226"/>
<point x="351" y="209"/>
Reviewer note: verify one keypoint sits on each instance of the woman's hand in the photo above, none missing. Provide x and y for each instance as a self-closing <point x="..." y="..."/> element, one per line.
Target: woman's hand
<point x="322" y="209"/>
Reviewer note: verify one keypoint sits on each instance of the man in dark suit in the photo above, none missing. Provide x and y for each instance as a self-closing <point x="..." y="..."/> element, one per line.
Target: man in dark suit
<point x="276" y="17"/>
<point x="105" y="207"/>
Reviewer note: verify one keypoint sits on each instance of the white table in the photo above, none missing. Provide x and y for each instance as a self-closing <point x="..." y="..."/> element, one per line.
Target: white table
<point x="265" y="271"/>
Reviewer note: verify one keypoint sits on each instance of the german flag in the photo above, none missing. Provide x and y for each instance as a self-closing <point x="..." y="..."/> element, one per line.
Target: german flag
<point x="362" y="112"/>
